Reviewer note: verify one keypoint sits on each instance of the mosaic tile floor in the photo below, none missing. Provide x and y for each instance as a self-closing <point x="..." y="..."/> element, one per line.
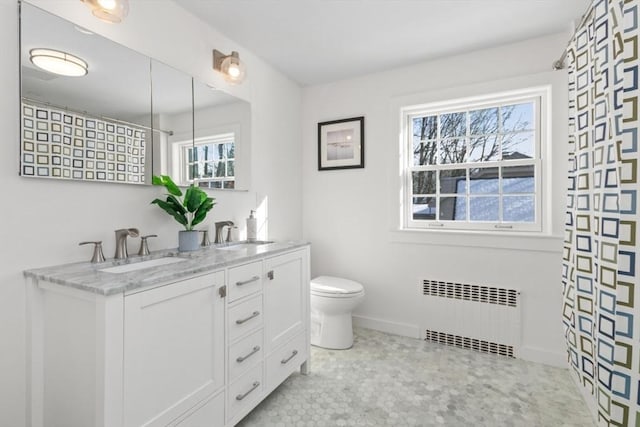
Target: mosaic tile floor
<point x="387" y="380"/>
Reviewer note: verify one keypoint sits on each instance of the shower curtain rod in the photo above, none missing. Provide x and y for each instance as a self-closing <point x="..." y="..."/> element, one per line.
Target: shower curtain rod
<point x="93" y="116"/>
<point x="559" y="63"/>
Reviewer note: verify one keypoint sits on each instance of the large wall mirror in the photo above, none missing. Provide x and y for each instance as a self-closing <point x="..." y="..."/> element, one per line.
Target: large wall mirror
<point x="126" y="118"/>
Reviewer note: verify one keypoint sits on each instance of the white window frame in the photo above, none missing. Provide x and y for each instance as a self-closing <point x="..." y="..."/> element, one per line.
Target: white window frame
<point x="181" y="150"/>
<point x="541" y="98"/>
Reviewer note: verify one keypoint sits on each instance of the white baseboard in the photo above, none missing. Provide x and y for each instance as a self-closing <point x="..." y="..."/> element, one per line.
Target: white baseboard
<point x="396" y="328"/>
<point x="531" y="354"/>
<point x="538" y="355"/>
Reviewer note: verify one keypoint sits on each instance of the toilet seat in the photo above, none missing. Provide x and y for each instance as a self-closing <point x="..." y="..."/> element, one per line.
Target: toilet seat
<point x="335" y="287"/>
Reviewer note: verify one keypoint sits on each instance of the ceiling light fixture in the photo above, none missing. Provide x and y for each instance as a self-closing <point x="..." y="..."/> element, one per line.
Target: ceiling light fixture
<point x="58" y="62"/>
<point x="230" y="66"/>
<point x="112" y="11"/>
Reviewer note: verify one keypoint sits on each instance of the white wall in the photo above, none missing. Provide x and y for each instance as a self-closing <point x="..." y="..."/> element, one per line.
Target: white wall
<point x="43" y="220"/>
<point x="351" y="217"/>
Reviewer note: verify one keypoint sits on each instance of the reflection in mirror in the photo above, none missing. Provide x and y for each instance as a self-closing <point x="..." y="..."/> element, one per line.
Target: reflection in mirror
<point x="172" y="119"/>
<point x="220" y="156"/>
<point x="93" y="127"/>
<point x="97" y="127"/>
<point x="209" y="147"/>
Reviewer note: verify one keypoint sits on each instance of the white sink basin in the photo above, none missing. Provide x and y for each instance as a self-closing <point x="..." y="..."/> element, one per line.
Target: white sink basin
<point x="242" y="246"/>
<point x="125" y="268"/>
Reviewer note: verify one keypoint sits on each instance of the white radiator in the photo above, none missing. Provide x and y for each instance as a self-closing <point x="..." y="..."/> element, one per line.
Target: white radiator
<point x="482" y="318"/>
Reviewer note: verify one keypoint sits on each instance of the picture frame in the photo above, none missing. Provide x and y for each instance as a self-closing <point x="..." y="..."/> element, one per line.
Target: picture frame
<point x="341" y="144"/>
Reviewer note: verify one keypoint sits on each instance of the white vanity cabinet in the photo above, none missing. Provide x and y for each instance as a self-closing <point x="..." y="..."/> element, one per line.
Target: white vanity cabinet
<point x="197" y="350"/>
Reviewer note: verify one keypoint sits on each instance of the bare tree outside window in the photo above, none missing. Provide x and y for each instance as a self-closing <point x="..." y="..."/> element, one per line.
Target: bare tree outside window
<point x="479" y="141"/>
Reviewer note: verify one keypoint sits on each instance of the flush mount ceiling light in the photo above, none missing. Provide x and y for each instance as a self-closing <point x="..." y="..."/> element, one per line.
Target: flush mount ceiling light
<point x="113" y="11"/>
<point x="58" y="62"/>
<point x="230" y="66"/>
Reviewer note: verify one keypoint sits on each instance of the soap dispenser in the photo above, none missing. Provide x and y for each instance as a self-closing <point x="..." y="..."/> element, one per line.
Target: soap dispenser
<point x="252" y="227"/>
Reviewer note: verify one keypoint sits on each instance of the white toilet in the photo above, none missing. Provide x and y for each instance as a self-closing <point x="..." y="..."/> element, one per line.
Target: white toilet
<point x="332" y="301"/>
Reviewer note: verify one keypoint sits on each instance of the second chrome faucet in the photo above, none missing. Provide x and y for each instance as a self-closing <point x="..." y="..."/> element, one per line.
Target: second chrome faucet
<point x="121" y="241"/>
<point x="220" y="229"/>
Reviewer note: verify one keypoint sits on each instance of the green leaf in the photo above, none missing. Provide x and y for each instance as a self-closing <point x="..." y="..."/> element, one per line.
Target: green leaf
<point x="176" y="203"/>
<point x="202" y="211"/>
<point x="190" y="211"/>
<point x="170" y="209"/>
<point x="193" y="198"/>
<point x="168" y="183"/>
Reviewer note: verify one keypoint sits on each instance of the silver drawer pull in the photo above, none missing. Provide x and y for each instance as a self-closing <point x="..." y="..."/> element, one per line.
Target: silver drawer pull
<point x="246" y="282"/>
<point x="241" y="359"/>
<point x="246" y="319"/>
<point x="293" y="354"/>
<point x="255" y="385"/>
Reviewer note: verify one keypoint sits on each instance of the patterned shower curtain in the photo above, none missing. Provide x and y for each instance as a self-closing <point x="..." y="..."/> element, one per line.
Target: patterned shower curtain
<point x="601" y="311"/>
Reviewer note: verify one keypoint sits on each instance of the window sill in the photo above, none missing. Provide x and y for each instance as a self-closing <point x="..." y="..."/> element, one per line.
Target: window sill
<point x="508" y="240"/>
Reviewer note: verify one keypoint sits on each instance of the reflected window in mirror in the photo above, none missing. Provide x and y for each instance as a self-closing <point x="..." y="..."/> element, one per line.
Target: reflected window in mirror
<point x="210" y="163"/>
<point x="208" y="135"/>
<point x="222" y="137"/>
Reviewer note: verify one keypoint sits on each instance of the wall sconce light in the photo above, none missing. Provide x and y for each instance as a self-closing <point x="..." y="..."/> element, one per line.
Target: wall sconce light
<point x="230" y="66"/>
<point x="58" y="62"/>
<point x="112" y="11"/>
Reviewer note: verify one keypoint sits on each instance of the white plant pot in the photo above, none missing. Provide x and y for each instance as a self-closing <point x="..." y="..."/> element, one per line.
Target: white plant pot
<point x="188" y="241"/>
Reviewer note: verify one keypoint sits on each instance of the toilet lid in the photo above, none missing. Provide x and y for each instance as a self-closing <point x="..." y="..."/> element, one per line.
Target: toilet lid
<point x="335" y="285"/>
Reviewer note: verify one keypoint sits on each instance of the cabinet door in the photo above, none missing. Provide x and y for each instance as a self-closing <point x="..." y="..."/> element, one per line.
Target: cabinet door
<point x="173" y="349"/>
<point x="286" y="298"/>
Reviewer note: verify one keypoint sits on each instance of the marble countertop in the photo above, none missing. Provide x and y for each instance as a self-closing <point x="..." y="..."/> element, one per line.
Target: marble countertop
<point x="88" y="277"/>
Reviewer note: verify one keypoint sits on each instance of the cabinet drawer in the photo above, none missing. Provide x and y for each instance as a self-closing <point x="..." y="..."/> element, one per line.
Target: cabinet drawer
<point x="244" y="280"/>
<point x="243" y="394"/>
<point x="285" y="360"/>
<point x="245" y="317"/>
<point x="244" y="354"/>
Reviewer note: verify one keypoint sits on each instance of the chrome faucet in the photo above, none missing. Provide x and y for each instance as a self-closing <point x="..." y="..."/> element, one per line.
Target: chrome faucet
<point x="220" y="229"/>
<point x="121" y="241"/>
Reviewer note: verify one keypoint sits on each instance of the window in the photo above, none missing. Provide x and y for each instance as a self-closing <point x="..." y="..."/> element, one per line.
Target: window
<point x="474" y="163"/>
<point x="210" y="162"/>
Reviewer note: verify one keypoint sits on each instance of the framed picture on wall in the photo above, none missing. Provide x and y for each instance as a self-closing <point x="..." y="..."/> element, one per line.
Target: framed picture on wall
<point x="341" y="144"/>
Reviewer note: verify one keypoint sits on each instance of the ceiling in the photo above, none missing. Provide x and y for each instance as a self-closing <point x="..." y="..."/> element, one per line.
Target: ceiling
<point x="119" y="82"/>
<point x="319" y="41"/>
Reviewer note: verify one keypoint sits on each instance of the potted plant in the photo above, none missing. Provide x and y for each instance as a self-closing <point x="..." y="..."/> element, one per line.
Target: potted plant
<point x="190" y="211"/>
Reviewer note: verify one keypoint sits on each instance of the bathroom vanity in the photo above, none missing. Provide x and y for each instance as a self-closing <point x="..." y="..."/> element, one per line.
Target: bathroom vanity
<point x="169" y="339"/>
